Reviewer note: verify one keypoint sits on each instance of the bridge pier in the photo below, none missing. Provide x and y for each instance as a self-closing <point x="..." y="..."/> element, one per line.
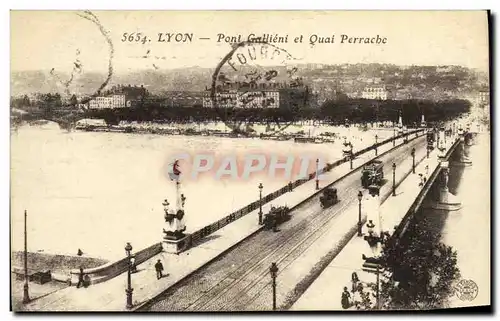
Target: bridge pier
<point x="470" y="139"/>
<point x="464" y="154"/>
<point x="447" y="201"/>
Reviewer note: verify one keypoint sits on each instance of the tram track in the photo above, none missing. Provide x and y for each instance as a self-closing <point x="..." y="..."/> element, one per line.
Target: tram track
<point x="232" y="281"/>
<point x="289" y="257"/>
<point x="238" y="305"/>
<point x="291" y="242"/>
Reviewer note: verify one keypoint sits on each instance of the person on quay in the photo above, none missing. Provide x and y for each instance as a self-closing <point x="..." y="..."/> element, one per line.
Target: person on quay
<point x="133" y="266"/>
<point x="80" y="279"/>
<point x="355" y="280"/>
<point x="159" y="269"/>
<point x="370" y="227"/>
<point x="345" y="298"/>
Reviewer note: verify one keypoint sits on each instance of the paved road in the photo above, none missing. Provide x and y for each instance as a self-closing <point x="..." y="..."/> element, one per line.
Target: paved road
<point x="239" y="280"/>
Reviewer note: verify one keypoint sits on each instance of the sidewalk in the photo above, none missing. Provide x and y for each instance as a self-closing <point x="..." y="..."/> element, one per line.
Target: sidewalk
<point x="110" y="295"/>
<point x="337" y="274"/>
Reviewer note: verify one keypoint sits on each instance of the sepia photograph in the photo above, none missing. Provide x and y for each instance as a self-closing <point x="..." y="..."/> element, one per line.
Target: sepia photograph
<point x="250" y="161"/>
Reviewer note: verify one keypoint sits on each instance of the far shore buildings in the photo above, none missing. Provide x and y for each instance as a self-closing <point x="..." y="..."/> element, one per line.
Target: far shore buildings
<point x="274" y="95"/>
<point x="483" y="101"/>
<point x="375" y="92"/>
<point x="119" y="97"/>
<point x="106" y="102"/>
<point x="483" y="97"/>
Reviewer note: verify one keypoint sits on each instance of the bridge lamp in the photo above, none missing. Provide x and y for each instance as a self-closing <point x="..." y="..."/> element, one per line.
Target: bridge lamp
<point x="393" y="179"/>
<point x="274" y="273"/>
<point x="129" y="290"/>
<point x="360" y="197"/>
<point x="260" y="203"/>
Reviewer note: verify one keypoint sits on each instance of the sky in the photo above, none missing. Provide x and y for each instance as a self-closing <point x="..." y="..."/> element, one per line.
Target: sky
<point x="42" y="40"/>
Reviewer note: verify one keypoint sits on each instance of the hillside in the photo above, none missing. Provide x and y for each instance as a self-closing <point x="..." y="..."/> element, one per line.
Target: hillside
<point x="347" y="78"/>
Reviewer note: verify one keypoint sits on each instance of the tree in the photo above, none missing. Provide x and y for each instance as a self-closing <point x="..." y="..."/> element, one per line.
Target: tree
<point x="73" y="101"/>
<point x="422" y="271"/>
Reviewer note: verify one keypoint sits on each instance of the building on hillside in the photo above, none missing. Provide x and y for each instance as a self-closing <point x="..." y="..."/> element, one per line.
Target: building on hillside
<point x="375" y="92"/>
<point x="402" y="95"/>
<point x="108" y="102"/>
<point x="119" y="96"/>
<point x="274" y="95"/>
<point x="483" y="97"/>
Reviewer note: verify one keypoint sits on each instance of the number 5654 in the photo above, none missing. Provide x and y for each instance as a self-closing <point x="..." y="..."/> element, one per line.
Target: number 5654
<point x="134" y="37"/>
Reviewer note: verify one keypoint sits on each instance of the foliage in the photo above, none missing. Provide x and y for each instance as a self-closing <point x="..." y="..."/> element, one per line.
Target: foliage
<point x="365" y="110"/>
<point x="73" y="100"/>
<point x="423" y="269"/>
<point x="20" y="102"/>
<point x="336" y="112"/>
<point x="367" y="296"/>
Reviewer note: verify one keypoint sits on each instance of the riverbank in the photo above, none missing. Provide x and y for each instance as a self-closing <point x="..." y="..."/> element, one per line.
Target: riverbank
<point x="303" y="132"/>
<point x="54" y="262"/>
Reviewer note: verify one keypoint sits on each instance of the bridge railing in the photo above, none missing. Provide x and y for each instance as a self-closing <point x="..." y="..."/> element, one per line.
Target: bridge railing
<point x="211" y="228"/>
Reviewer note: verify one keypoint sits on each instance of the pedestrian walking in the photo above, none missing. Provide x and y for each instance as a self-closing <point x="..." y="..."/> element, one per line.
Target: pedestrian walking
<point x="370" y="227"/>
<point x="159" y="269"/>
<point x="355" y="280"/>
<point x="345" y="299"/>
<point x="80" y="279"/>
<point x="133" y="266"/>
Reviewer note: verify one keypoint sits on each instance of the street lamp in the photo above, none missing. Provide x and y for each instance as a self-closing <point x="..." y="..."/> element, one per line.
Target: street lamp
<point x="360" y="197"/>
<point x="274" y="272"/>
<point x="260" y="203"/>
<point x="352" y="156"/>
<point x="428" y="150"/>
<point x="317" y="171"/>
<point x="26" y="295"/>
<point x="413" y="159"/>
<point x="394" y="137"/>
<point x="129" y="290"/>
<point x="376" y="142"/>
<point x="393" y="179"/>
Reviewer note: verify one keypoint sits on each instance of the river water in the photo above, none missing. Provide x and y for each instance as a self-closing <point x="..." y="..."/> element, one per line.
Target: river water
<point x="467" y="230"/>
<point x="96" y="191"/>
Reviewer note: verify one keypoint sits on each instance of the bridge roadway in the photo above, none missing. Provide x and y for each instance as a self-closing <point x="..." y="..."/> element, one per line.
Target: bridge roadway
<point x="239" y="280"/>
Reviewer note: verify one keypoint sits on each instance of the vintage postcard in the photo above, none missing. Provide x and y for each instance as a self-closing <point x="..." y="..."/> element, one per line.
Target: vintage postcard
<point x="250" y="160"/>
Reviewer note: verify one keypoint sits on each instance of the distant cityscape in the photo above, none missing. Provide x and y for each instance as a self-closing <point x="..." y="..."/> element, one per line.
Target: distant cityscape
<point x="320" y="83"/>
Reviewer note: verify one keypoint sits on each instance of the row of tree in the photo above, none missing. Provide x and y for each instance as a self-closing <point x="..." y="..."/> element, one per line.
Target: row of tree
<point x="47" y="101"/>
<point x="335" y="112"/>
<point x="364" y="110"/>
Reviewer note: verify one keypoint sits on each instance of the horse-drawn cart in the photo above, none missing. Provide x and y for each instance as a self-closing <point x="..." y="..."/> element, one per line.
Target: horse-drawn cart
<point x="276" y="216"/>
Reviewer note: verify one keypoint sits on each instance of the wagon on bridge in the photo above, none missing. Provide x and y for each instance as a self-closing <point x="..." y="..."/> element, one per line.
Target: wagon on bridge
<point x="372" y="173"/>
<point x="431" y="140"/>
<point x="276" y="216"/>
<point x="329" y="197"/>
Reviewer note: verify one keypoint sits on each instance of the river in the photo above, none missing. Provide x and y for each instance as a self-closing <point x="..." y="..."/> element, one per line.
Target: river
<point x="467" y="230"/>
<point x="96" y="191"/>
